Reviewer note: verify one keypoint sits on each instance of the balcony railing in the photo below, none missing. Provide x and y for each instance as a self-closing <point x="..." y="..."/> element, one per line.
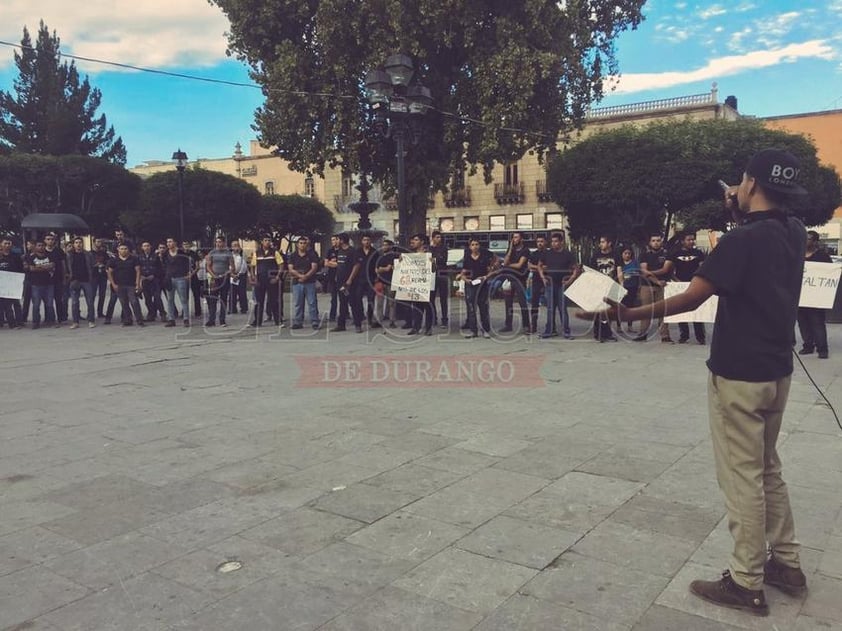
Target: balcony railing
<point x="510" y="193"/>
<point x="458" y="198"/>
<point x="651" y="106"/>
<point x="542" y="192"/>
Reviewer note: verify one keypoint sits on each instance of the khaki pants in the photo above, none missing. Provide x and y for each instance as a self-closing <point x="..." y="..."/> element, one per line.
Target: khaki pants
<point x="745" y="419"/>
<point x="648" y="296"/>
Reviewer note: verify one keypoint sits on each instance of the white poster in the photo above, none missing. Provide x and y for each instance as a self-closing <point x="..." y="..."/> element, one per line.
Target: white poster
<point x="591" y="288"/>
<point x="11" y="285"/>
<point x="413" y="277"/>
<point x="819" y="285"/>
<point x="705" y="313"/>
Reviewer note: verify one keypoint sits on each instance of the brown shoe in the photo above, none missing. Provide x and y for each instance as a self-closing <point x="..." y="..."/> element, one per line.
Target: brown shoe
<point x="790" y="580"/>
<point x="726" y="593"/>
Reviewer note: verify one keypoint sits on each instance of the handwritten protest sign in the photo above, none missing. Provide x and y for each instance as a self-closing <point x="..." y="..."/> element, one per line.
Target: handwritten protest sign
<point x="591" y="288"/>
<point x="705" y="313"/>
<point x="819" y="285"/>
<point x="11" y="285"/>
<point x="413" y="277"/>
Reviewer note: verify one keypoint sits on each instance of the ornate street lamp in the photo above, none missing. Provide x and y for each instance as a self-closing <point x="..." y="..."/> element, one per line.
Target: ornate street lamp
<point x="397" y="108"/>
<point x="180" y="164"/>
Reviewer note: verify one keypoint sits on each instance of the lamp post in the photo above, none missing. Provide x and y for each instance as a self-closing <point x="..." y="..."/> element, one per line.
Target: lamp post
<point x="397" y="108"/>
<point x="180" y="164"/>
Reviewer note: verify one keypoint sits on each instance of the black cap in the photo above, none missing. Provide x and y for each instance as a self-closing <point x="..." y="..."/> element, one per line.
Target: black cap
<point x="776" y="170"/>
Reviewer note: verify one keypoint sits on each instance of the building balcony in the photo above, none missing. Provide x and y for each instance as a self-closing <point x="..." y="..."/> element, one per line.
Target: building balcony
<point x="458" y="198"/>
<point x="542" y="192"/>
<point x="510" y="193"/>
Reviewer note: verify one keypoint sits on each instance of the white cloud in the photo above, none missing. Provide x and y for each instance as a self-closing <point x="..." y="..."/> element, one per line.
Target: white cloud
<point x="152" y="33"/>
<point x="725" y="66"/>
<point x="712" y="12"/>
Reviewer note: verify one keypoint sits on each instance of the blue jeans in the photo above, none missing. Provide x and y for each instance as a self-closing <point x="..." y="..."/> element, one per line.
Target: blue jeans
<point x="76" y="288"/>
<point x="45" y="294"/>
<point x="554" y="296"/>
<point x="300" y="293"/>
<point x="178" y="286"/>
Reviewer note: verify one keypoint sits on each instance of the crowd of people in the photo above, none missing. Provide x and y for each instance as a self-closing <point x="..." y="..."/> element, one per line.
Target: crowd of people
<point x="169" y="279"/>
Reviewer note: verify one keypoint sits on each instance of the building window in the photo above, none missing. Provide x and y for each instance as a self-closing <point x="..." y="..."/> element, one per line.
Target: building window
<point x="554" y="221"/>
<point x="524" y="221"/>
<point x="446" y="224"/>
<point x="347" y="186"/>
<point x="270" y="188"/>
<point x="510" y="174"/>
<point x="471" y="223"/>
<point x="497" y="222"/>
<point x="309" y="187"/>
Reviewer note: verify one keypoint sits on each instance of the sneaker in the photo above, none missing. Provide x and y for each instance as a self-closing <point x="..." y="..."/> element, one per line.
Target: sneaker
<point x="428" y="332"/>
<point x="546" y="336"/>
<point x="392" y="324"/>
<point x="223" y="324"/>
<point x="297" y="326"/>
<point x="701" y="342"/>
<point x="683" y="340"/>
<point x="141" y="323"/>
<point x="823" y="355"/>
<point x="359" y="329"/>
<point x="91" y="325"/>
<point x="469" y="335"/>
<point x="75" y="325"/>
<point x="170" y="324"/>
<point x="640" y="338"/>
<point x="281" y="325"/>
<point x="805" y="350"/>
<point x="443" y="325"/>
<point x="486" y="335"/>
<point x="667" y="340"/>
<point x="127" y="323"/>
<point x="210" y="323"/>
<point x="726" y="593"/>
<point x="316" y="326"/>
<point x="412" y="332"/>
<point x="187" y="323"/>
<point x="790" y="580"/>
<point x="338" y="329"/>
<point x="567" y="336"/>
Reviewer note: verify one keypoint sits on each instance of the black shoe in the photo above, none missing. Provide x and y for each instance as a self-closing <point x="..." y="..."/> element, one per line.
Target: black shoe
<point x="412" y="332"/>
<point x="726" y="593"/>
<point x="787" y="579"/>
<point x="210" y="323"/>
<point x="683" y="340"/>
<point x="338" y="329"/>
<point x="428" y="332"/>
<point x="359" y="329"/>
<point x="506" y="329"/>
<point x="823" y="355"/>
<point x="639" y="338"/>
<point x="141" y="323"/>
<point x="806" y="350"/>
<point x="701" y="342"/>
<point x="127" y="324"/>
<point x="297" y="326"/>
<point x="375" y="325"/>
<point x="170" y="324"/>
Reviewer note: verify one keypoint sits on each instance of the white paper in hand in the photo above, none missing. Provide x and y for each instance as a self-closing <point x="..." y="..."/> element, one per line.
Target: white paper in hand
<point x="591" y="288"/>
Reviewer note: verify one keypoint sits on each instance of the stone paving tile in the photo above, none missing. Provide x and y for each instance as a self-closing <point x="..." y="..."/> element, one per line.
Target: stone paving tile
<point x="145" y="603"/>
<point x="831" y="564"/>
<point x="302" y="531"/>
<point x="477" y="498"/>
<point x="603" y="590"/>
<point x="809" y="623"/>
<point x="33" y="591"/>
<point x="378" y="457"/>
<point x="783" y="609"/>
<point x="392" y="608"/>
<point x="658" y="618"/>
<point x="641" y="550"/>
<point x="465" y="580"/>
<point x="673" y="518"/>
<point x="420" y="442"/>
<point x="623" y="467"/>
<point x="30" y="547"/>
<point x="823" y="598"/>
<point x="113" y="561"/>
<point x="404" y="535"/>
<point x="544" y="461"/>
<point x="27" y="513"/>
<point x="493" y="445"/>
<point x="363" y="502"/>
<point x="516" y="541"/>
<point x="249" y="473"/>
<point x="456" y="460"/>
<point x="89" y="527"/>
<point x="329" y="475"/>
<point x="532" y="614"/>
<point x="576" y="502"/>
<point x="415" y="479"/>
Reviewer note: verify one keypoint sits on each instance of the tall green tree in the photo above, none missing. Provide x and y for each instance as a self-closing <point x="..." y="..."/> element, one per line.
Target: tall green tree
<point x="493" y="68"/>
<point x="213" y="202"/>
<point x="624" y="181"/>
<point x="287" y="215"/>
<point x="51" y="110"/>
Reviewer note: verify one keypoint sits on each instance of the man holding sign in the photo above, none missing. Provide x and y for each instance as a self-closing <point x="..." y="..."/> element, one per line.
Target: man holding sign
<point x="11" y="265"/>
<point x="811" y="321"/>
<point x="756" y="270"/>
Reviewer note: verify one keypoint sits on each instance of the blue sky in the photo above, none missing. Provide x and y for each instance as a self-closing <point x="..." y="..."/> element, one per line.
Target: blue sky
<point x="778" y="57"/>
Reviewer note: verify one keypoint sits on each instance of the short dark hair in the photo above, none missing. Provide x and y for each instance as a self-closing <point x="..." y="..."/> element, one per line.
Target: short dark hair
<point x="557" y="235"/>
<point x="436" y="233"/>
<point x="813" y="235"/>
<point x="421" y="236"/>
<point x="344" y="238"/>
<point x="656" y="233"/>
<point x="607" y="237"/>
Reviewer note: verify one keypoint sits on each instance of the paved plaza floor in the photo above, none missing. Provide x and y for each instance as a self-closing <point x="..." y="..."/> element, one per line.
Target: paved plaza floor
<point x="236" y="479"/>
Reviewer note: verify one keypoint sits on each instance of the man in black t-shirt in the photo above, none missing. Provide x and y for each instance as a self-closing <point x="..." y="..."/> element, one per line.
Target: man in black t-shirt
<point x="80" y="273"/>
<point x="9" y="263"/>
<point x="756" y="270"/>
<point x="100" y="281"/>
<point x="811" y="321"/>
<point x="302" y="266"/>
<point x="57" y="254"/>
<point x="348" y="265"/>
<point x="558" y="268"/>
<point x="40" y="269"/>
<point x="442" y="289"/>
<point x="605" y="261"/>
<point x="476" y="268"/>
<point x="330" y="277"/>
<point x="384" y="301"/>
<point x="537" y="286"/>
<point x="124" y="276"/>
<point x="515" y="269"/>
<point x="365" y="285"/>
<point x="177" y="271"/>
<point x="655" y="271"/>
<point x="686" y="261"/>
<point x="195" y="283"/>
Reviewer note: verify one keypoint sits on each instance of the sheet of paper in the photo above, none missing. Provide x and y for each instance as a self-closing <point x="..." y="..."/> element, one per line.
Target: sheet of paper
<point x="11" y="285"/>
<point x="591" y="288"/>
<point x="705" y="313"/>
<point x="819" y="285"/>
<point x="413" y="277"/>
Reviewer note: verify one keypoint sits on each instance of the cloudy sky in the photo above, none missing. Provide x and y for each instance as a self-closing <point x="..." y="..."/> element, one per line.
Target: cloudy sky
<point x="777" y="57"/>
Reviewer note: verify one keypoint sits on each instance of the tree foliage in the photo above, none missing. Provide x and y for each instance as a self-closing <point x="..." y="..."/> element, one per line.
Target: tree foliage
<point x="213" y="203"/>
<point x="287" y="215"/>
<point x="96" y="190"/>
<point x="623" y="181"/>
<point x="53" y="111"/>
<point x="492" y="68"/>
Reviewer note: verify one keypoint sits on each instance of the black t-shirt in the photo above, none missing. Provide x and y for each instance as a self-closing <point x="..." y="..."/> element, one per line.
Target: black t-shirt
<point x="346" y="258"/>
<point x="558" y="264"/>
<point x="515" y="255"/>
<point x="477" y="267"/>
<point x="757" y="270"/>
<point x="101" y="258"/>
<point x="56" y="255"/>
<point x="655" y="260"/>
<point x="439" y="253"/>
<point x="606" y="263"/>
<point x="177" y="265"/>
<point x="122" y="270"/>
<point x="10" y="263"/>
<point x="79" y="267"/>
<point x="41" y="279"/>
<point x="686" y="263"/>
<point x="302" y="263"/>
<point x="534" y="259"/>
<point x="331" y="271"/>
<point x="819" y="256"/>
<point x="384" y="260"/>
<point x="369" y="262"/>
